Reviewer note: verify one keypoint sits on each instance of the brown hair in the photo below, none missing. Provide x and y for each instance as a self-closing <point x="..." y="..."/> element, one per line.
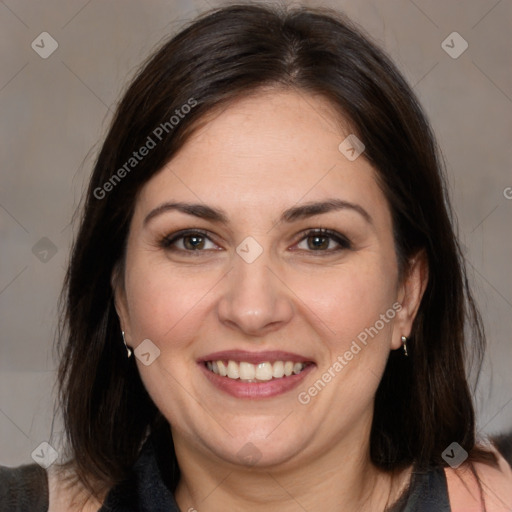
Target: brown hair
<point x="423" y="402"/>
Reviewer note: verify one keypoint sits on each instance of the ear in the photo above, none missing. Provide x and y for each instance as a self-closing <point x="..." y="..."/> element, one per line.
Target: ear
<point x="410" y="293"/>
<point x="120" y="302"/>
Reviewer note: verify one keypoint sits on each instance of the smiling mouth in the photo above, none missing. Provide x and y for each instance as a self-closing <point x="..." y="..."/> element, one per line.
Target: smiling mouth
<point x="261" y="372"/>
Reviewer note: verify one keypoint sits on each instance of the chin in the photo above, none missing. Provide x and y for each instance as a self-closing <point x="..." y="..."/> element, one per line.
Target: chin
<point x="259" y="451"/>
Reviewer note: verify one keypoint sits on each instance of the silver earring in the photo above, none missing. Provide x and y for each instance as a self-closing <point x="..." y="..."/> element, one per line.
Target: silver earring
<point x="404" y="343"/>
<point x="127" y="348"/>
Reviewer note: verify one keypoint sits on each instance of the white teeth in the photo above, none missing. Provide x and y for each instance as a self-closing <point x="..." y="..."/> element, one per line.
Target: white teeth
<point x="233" y="370"/>
<point x="222" y="368"/>
<point x="297" y="368"/>
<point x="278" y="370"/>
<point x="247" y="371"/>
<point x="264" y="371"/>
<point x="253" y="373"/>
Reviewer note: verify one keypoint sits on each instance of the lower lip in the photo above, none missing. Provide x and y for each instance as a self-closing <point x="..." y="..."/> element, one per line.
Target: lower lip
<point x="256" y="390"/>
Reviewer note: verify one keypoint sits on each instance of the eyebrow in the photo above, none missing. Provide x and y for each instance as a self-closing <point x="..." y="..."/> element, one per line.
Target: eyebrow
<point x="197" y="210"/>
<point x="290" y="215"/>
<point x="315" y="208"/>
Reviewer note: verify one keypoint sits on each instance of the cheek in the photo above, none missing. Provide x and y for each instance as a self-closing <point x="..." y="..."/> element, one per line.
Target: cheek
<point x="350" y="300"/>
<point x="357" y="306"/>
<point x="166" y="307"/>
<point x="163" y="302"/>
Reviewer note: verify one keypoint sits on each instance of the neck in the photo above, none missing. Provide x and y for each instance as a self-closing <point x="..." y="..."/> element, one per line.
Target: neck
<point x="344" y="474"/>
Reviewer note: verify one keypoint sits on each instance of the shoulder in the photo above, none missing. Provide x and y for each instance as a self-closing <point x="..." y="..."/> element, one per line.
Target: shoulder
<point x="66" y="495"/>
<point x="493" y="487"/>
<point x="23" y="488"/>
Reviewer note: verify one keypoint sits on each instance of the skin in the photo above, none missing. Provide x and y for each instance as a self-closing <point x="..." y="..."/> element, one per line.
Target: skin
<point x="256" y="158"/>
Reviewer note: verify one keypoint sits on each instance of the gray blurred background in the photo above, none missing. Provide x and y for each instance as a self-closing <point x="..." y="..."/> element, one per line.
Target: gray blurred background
<point x="55" y="109"/>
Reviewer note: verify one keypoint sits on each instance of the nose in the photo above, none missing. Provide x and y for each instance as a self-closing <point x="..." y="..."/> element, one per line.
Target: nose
<point x="255" y="300"/>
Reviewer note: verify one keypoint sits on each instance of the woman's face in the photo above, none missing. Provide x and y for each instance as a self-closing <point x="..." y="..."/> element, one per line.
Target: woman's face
<point x="262" y="246"/>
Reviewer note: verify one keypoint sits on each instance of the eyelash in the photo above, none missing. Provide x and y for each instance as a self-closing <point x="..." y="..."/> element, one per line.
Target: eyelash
<point x="344" y="243"/>
<point x="167" y="241"/>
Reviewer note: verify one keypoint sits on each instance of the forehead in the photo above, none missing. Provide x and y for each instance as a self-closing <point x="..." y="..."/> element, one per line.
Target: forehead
<point x="271" y="148"/>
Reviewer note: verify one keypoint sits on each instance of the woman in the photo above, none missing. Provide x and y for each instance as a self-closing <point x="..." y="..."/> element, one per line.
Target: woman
<point x="266" y="304"/>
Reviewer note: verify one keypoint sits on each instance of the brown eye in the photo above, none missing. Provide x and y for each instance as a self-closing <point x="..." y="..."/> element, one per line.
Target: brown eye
<point x="193" y="242"/>
<point x="316" y="242"/>
<point x="323" y="240"/>
<point x="188" y="241"/>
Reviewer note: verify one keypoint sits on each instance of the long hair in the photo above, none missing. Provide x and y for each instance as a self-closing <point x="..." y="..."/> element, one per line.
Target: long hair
<point x="423" y="402"/>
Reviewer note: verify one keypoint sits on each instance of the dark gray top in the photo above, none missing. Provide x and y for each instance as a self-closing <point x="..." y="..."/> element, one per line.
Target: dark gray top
<point x="427" y="492"/>
<point x="25" y="489"/>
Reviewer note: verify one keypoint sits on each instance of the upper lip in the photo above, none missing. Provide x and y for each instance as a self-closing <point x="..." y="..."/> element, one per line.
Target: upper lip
<point x="254" y="357"/>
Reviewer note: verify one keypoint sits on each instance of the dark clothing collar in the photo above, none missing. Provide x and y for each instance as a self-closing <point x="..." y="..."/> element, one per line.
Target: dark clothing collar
<point x="145" y="490"/>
